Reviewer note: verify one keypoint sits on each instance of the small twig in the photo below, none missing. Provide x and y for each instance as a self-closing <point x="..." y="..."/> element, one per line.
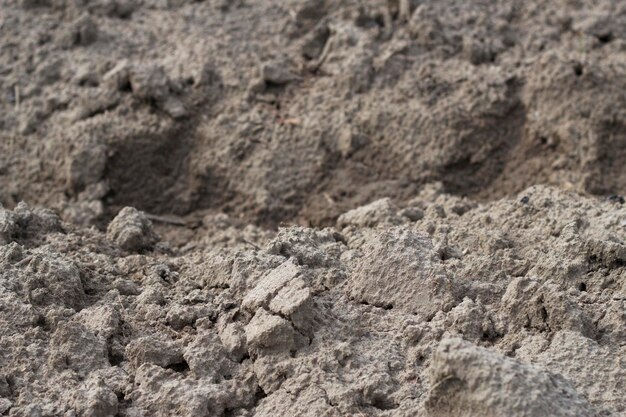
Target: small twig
<point x="24" y="261"/>
<point x="251" y="244"/>
<point x="325" y="52"/>
<point x="387" y="21"/>
<point x="17" y="97"/>
<point x="443" y="381"/>
<point x="166" y="220"/>
<point x="404" y="12"/>
<point x="124" y="313"/>
<point x="292" y="121"/>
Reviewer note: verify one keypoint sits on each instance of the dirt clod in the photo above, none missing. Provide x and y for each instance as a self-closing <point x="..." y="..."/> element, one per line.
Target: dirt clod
<point x="132" y="231"/>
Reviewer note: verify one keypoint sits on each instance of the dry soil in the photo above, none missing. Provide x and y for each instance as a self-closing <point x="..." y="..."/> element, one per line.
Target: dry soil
<point x="312" y="208"/>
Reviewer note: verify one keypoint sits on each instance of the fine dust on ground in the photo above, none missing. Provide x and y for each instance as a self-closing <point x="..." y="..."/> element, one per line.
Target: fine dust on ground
<point x="312" y="208"/>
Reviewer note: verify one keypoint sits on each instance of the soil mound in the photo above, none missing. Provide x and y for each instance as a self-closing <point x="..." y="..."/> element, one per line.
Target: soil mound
<point x="297" y="112"/>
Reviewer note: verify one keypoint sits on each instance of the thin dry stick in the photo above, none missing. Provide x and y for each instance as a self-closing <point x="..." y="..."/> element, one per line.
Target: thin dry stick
<point x="405" y="10"/>
<point x="325" y="52"/>
<point x="251" y="244"/>
<point x="166" y="220"/>
<point x="124" y="314"/>
<point x="388" y="21"/>
<point x="17" y="97"/>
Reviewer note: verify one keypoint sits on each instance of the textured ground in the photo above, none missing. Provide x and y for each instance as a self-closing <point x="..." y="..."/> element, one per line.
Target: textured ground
<point x="445" y="307"/>
<point x="447" y="176"/>
<point x="300" y="110"/>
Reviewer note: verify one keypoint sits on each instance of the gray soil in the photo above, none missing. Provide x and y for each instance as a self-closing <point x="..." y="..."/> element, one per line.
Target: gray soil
<point x="312" y="208"/>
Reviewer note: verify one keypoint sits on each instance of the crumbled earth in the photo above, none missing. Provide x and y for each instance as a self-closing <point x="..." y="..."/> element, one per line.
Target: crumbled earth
<point x="298" y="111"/>
<point x="511" y="308"/>
<point x="247" y="208"/>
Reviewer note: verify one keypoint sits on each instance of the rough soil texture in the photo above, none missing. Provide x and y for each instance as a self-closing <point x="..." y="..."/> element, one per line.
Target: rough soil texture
<point x="447" y="175"/>
<point x="443" y="308"/>
<point x="297" y="111"/>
